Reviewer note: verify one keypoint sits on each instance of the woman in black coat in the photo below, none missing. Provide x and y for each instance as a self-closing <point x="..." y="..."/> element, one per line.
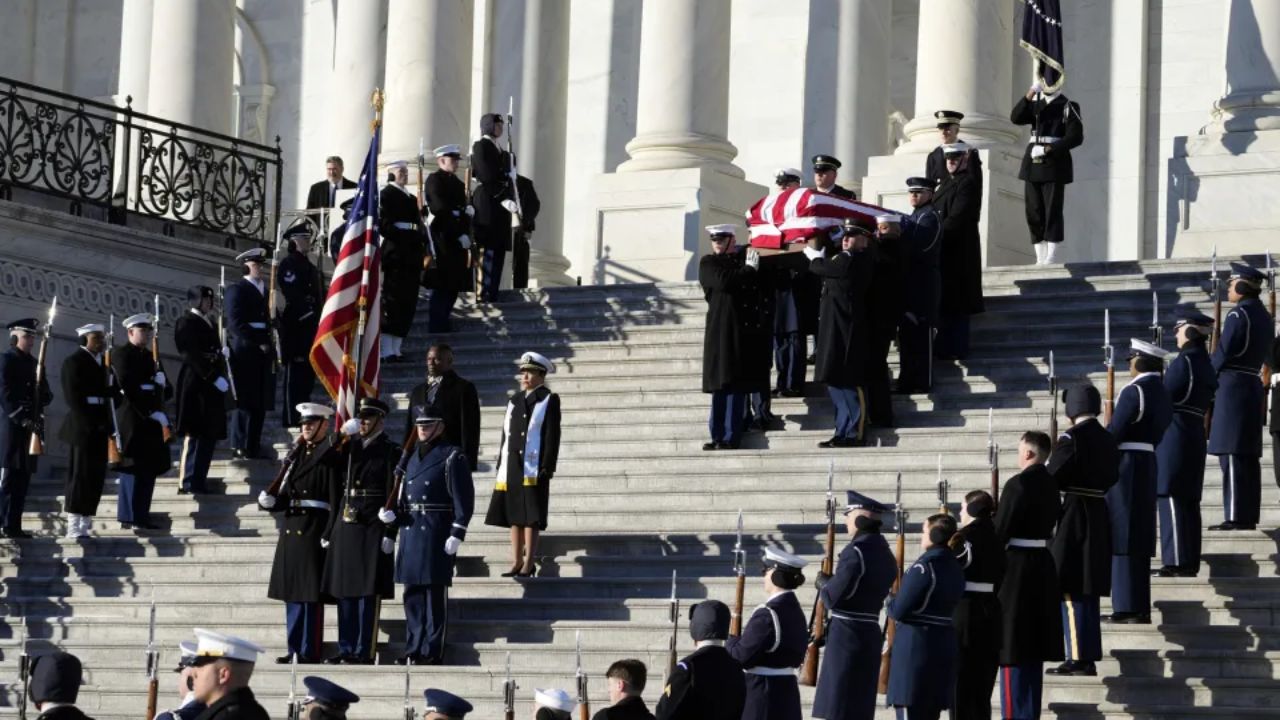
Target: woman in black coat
<point x="843" y="332"/>
<point x="977" y="617"/>
<point x="959" y="203"/>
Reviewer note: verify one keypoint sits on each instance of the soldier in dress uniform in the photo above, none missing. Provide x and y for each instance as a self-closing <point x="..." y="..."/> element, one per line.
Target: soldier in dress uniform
<point x="202" y="390"/>
<point x="1190" y="382"/>
<point x="405" y="247"/>
<point x="454" y="397"/>
<point x="935" y="165"/>
<point x="252" y="361"/>
<point x="1031" y="631"/>
<point x="825" y="168"/>
<point x="854" y="595"/>
<point x="796" y="310"/>
<point x="527" y="455"/>
<point x="220" y="677"/>
<point x="626" y="681"/>
<point x="884" y="310"/>
<point x="1236" y="434"/>
<point x="86" y="428"/>
<point x="523" y="226"/>
<point x="436" y="502"/>
<point x="450" y="271"/>
<point x="54" y="685"/>
<point x="773" y="642"/>
<point x="310" y="491"/>
<point x="359" y="565"/>
<point x="922" y="247"/>
<point x="1056" y="129"/>
<point x="144" y="454"/>
<point x="1085" y="463"/>
<point x="843" y="329"/>
<point x="979" y="616"/>
<point x="924" y="648"/>
<point x="326" y="700"/>
<point x="495" y="202"/>
<point x="1143" y="412"/>
<point x="958" y="201"/>
<point x="442" y="705"/>
<point x="709" y="684"/>
<point x="735" y="340"/>
<point x="190" y="708"/>
<point x="19" y="399"/>
<point x="299" y="283"/>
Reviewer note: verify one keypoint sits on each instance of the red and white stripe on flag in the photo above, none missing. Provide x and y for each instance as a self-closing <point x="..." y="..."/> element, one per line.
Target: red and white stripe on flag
<point x="795" y="215"/>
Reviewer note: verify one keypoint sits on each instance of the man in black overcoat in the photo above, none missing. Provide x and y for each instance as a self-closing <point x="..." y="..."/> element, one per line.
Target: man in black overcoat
<point x="23" y="405"/>
<point x="203" y="388"/>
<point x="884" y="310"/>
<point x="300" y="285"/>
<point x="450" y="270"/>
<point x="454" y="397"/>
<point x="978" y="616"/>
<point x="495" y="201"/>
<point x="959" y="203"/>
<point x="87" y="426"/>
<point x="144" y="454"/>
<point x="252" y="355"/>
<point x="405" y="246"/>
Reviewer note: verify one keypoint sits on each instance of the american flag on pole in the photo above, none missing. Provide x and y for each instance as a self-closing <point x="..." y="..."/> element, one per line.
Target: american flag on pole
<point x="1042" y="38"/>
<point x="795" y="215"/>
<point x="337" y="354"/>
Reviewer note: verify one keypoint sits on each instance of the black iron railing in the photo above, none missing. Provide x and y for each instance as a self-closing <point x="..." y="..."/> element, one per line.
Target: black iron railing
<point x="135" y="165"/>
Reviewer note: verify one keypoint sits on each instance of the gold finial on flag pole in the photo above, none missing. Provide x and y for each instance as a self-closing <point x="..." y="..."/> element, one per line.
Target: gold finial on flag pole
<point x="376" y="100"/>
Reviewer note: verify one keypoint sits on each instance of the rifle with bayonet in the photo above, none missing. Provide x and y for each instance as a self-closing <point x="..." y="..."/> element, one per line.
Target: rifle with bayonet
<point x="511" y="168"/>
<point x="114" y="441"/>
<point x="1215" y="294"/>
<point x="509" y="693"/>
<point x="428" y="243"/>
<point x="166" y="431"/>
<point x="740" y="570"/>
<point x="273" y="321"/>
<point x="1157" y="332"/>
<point x="944" y="486"/>
<point x="818" y="620"/>
<point x="1053" y="392"/>
<point x="890" y="627"/>
<point x="153" y="662"/>
<point x="672" y="659"/>
<point x="24" y="668"/>
<point x="1109" y="360"/>
<point x="993" y="456"/>
<point x="1266" y="366"/>
<point x="409" y="712"/>
<point x="402" y="467"/>
<point x="295" y="707"/>
<point x="36" y="447"/>
<point x="222" y="333"/>
<point x="584" y="703"/>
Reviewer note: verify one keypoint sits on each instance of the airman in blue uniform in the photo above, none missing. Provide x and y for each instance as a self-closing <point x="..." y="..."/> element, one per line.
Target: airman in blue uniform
<point x="444" y="705"/>
<point x="773" y="642"/>
<point x="299" y="283"/>
<point x="922" y="242"/>
<point x="330" y="698"/>
<point x="252" y="362"/>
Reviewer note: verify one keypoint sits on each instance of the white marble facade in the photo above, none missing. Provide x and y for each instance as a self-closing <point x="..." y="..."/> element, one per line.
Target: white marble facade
<point x="635" y="139"/>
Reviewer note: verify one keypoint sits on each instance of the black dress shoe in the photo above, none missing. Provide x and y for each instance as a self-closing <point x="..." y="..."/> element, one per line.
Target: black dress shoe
<point x="126" y="526"/>
<point x="728" y="445"/>
<point x="335" y="660"/>
<point x="1130" y="618"/>
<point x="286" y="660"/>
<point x="17" y="534"/>
<point x="711" y="446"/>
<point x="791" y="393"/>
<point x="1173" y="571"/>
<point x="357" y="660"/>
<point x="415" y="658"/>
<point x="1229" y="525"/>
<point x="829" y="443"/>
<point x="1074" y="667"/>
<point x="238" y="455"/>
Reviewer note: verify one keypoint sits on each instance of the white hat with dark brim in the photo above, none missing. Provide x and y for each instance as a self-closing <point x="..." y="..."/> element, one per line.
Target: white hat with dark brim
<point x="146" y="319"/>
<point x="537" y="361"/>
<point x="955" y="148"/>
<point x="313" y="411"/>
<point x="1142" y="347"/>
<point x="398" y="165"/>
<point x="448" y="150"/>
<point x="554" y="698"/>
<point x="724" y="229"/>
<point x="90" y="328"/>
<point x="892" y="218"/>
<point x="210" y="644"/>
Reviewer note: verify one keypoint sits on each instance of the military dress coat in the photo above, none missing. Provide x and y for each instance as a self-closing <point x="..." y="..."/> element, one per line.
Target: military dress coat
<point x="202" y="408"/>
<point x="18" y="400"/>
<point x="737" y="339"/>
<point x="436" y="502"/>
<point x="238" y="704"/>
<point x="1085" y="465"/>
<point x="1190" y="382"/>
<point x="843" y="329"/>
<point x="773" y="640"/>
<point x="959" y="204"/>
<point x="522" y="487"/>
<point x="922" y="243"/>
<point x="249" y="336"/>
<point x="446" y="198"/>
<point x="143" y="450"/>
<point x="1031" y="602"/>
<point x="706" y="685"/>
<point x="299" y="283"/>
<point x="924" y="646"/>
<point x="86" y="428"/>
<point x="355" y="565"/>
<point x="1143" y="412"/>
<point x="312" y="490"/>
<point x="979" y="616"/>
<point x="1237" y="406"/>
<point x="404" y="243"/>
<point x="491" y="169"/>
<point x="850" y="668"/>
<point x="1060" y="119"/>
<point x="935" y="164"/>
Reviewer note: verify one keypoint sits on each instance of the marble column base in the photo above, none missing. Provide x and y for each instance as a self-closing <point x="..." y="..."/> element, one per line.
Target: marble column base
<point x="648" y="226"/>
<point x="1218" y="194"/>
<point x="547" y="269"/>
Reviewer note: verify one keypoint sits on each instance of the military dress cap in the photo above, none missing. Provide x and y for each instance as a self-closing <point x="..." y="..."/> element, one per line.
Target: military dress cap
<point x="857" y="501"/>
<point x="448" y="150"/>
<point x="948" y="117"/>
<point x="919" y="183"/>
<point x="553" y="698"/>
<point x="1192" y="316"/>
<point x="446" y="703"/>
<point x="723" y="229"/>
<point x="780" y="558"/>
<point x="55" y="677"/>
<point x="302" y="228"/>
<point x="140" y="320"/>
<point x="856" y="226"/>
<point x="427" y="414"/>
<point x="537" y="361"/>
<point x="1247" y="272"/>
<point x="398" y="165"/>
<point x="787" y="173"/>
<point x="252" y="255"/>
<point x="90" y="328"/>
<point x="328" y="693"/>
<point x="892" y="218"/>
<point x="1142" y="347"/>
<point x="186" y="655"/>
<point x="25" y="325"/>
<point x="373" y="406"/>
<point x="955" y="148"/>
<point x="825" y="162"/>
<point x="1082" y="399"/>
<point x="211" y="645"/>
<point x="309" y="411"/>
<point x="196" y="293"/>
<point x="709" y="620"/>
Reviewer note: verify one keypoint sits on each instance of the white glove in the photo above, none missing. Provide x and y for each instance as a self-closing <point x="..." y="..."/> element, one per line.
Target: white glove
<point x="457" y="213"/>
<point x="471" y="212"/>
<point x="451" y="545"/>
<point x="226" y="351"/>
<point x="465" y="242"/>
<point x="511" y="207"/>
<point x="266" y="500"/>
<point x="324" y="544"/>
<point x="812" y="253"/>
<point x="387" y="516"/>
<point x="160" y="378"/>
<point x="1037" y="151"/>
<point x="753" y="259"/>
<point x="221" y="384"/>
<point x="350" y="427"/>
<point x="1036" y="87"/>
<point x="388" y="546"/>
<point x="160" y="418"/>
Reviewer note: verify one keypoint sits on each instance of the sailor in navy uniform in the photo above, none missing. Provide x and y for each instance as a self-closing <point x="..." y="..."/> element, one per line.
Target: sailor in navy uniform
<point x="326" y="700"/>
<point x="825" y="168"/>
<point x="1236" y="434"/>
<point x="556" y="704"/>
<point x="202" y="390"/>
<point x="1056" y="129"/>
<point x="54" y="686"/>
<point x="299" y="284"/>
<point x="709" y="684"/>
<point x="979" y="615"/>
<point x="450" y="272"/>
<point x="443" y="705"/>
<point x="252" y="361"/>
<point x="144" y="453"/>
<point x="435" y="506"/>
<point x="190" y="708"/>
<point x="922" y="249"/>
<point x="1190" y="381"/>
<point x="935" y="165"/>
<point x="1143" y="412"/>
<point x="773" y="642"/>
<point x="87" y="427"/>
<point x="405" y="245"/>
<point x="924" y="648"/>
<point x="19" y="399"/>
<point x="221" y="670"/>
<point x="854" y="596"/>
<point x="310" y="491"/>
<point x="495" y="202"/>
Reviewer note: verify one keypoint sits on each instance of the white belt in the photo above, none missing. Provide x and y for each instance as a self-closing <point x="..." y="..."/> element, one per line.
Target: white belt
<point x="773" y="672"/>
<point x="1275" y="380"/>
<point x="147" y="386"/>
<point x="1043" y="139"/>
<point x="314" y="504"/>
<point x="1027" y="543"/>
<point x="405" y="225"/>
<point x="258" y="326"/>
<point x="873" y="618"/>
<point x="1138" y="446"/>
<point x="979" y="587"/>
<point x="95" y="400"/>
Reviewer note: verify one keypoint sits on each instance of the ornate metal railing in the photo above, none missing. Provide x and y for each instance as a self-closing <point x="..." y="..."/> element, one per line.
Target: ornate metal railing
<point x="131" y="164"/>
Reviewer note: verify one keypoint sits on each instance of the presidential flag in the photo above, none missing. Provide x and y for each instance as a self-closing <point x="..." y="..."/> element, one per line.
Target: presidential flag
<point x="795" y="215"/>
<point x="1042" y="37"/>
<point x="345" y="348"/>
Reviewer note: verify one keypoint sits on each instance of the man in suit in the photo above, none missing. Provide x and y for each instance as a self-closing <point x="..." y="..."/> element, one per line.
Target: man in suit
<point x="23" y="405"/>
<point x="707" y="685"/>
<point x="252" y="357"/>
<point x="494" y="201"/>
<point x="529" y="207"/>
<point x="1056" y="129"/>
<point x="323" y="195"/>
<point x="299" y="284"/>
<point x="825" y="169"/>
<point x="454" y="397"/>
<point x="202" y="390"/>
<point x="450" y="271"/>
<point x="86" y="427"/>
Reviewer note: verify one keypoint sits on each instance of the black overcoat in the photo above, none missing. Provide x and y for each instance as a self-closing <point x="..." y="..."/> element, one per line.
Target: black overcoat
<point x="355" y="565"/>
<point x="1029" y="509"/>
<point x="143" y="448"/>
<point x="299" y="283"/>
<point x="491" y="169"/>
<point x="1058" y="119"/>
<point x="447" y="202"/>
<point x="843" y="328"/>
<point x="978" y="615"/>
<point x="86" y="393"/>
<point x="518" y="497"/>
<point x="402" y="252"/>
<point x="736" y="339"/>
<point x="959" y="204"/>
<point x="17" y="400"/>
<point x="202" y="408"/>
<point x="1085" y="464"/>
<point x="249" y="335"/>
<point x="458" y="403"/>
<point x="298" y="567"/>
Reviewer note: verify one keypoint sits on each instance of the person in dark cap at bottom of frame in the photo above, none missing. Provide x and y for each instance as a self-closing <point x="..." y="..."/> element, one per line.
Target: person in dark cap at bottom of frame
<point x="220" y="677"/>
<point x="55" y="685"/>
<point x="326" y="700"/>
<point x="773" y="642"/>
<point x="626" y="680"/>
<point x="444" y="705"/>
<point x="190" y="708"/>
<point x="708" y="684"/>
<point x="978" y="616"/>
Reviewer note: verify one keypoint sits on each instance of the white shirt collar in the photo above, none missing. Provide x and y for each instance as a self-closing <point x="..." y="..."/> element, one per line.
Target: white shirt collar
<point x="96" y="356"/>
<point x="370" y="438"/>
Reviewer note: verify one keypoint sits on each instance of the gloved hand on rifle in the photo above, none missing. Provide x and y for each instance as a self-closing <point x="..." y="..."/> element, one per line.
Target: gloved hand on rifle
<point x="324" y="544"/>
<point x="821" y="580"/>
<point x="511" y="207"/>
<point x="388" y="546"/>
<point x="350" y="427"/>
<point x="465" y="242"/>
<point x="226" y="351"/>
<point x="451" y="545"/>
<point x="471" y="212"/>
<point x="160" y="378"/>
<point x="266" y="500"/>
<point x="221" y="384"/>
<point x="386" y="516"/>
<point x="160" y="418"/>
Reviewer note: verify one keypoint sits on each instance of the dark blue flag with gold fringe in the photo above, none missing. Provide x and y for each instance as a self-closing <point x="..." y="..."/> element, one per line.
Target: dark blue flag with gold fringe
<point x="1042" y="37"/>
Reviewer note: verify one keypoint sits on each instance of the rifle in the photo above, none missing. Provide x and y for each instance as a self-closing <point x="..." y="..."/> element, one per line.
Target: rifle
<point x="511" y="167"/>
<point x="271" y="303"/>
<point x="422" y="205"/>
<point x="285" y="467"/>
<point x="114" y="441"/>
<point x="943" y="486"/>
<point x="222" y="332"/>
<point x="1053" y="391"/>
<point x="584" y="703"/>
<point x="24" y="669"/>
<point x="1215" y="294"/>
<point x="295" y="709"/>
<point x="1109" y="360"/>
<point x="993" y="456"/>
<point x="409" y="712"/>
<point x="675" y="628"/>
<point x="1266" y="366"/>
<point x="1157" y="332"/>
<point x="739" y="569"/>
<point x="166" y="431"/>
<point x="890" y="627"/>
<point x="406" y="452"/>
<point x="509" y="693"/>
<point x="153" y="661"/>
<point x="466" y="192"/>
<point x="818" y="620"/>
<point x="36" y="447"/>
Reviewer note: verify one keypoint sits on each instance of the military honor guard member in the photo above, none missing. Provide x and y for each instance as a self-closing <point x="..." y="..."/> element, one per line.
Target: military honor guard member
<point x="495" y="202"/>
<point x="1236" y="432"/>
<point x="324" y="194"/>
<point x="252" y="356"/>
<point x="307" y="496"/>
<point x="23" y="405"/>
<point x="709" y="684"/>
<point x="404" y="248"/>
<point x="1190" y="382"/>
<point x="299" y="284"/>
<point x="454" y="397"/>
<point x="527" y="455"/>
<point x="359" y="565"/>
<point x="1030" y="600"/>
<point x="1086" y="464"/>
<point x="825" y="169"/>
<point x="450" y="271"/>
<point x="1273" y="360"/>
<point x="1143" y="412"/>
<point x="54" y="686"/>
<point x="436" y="502"/>
<point x="326" y="700"/>
<point x="1056" y="129"/>
<point x="190" y="708"/>
<point x="958" y="201"/>
<point x="88" y="392"/>
<point x="935" y="165"/>
<point x="523" y="225"/>
<point x="884" y="310"/>
<point x="143" y="451"/>
<point x="626" y="680"/>
<point x="553" y="704"/>
<point x="203" y="390"/>
<point x="922" y="248"/>
<point x="796" y="310"/>
<point x="924" y="648"/>
<point x="443" y="705"/>
<point x="220" y="677"/>
<point x="735" y="340"/>
<point x="773" y="642"/>
<point x="980" y="615"/>
<point x="843" y="330"/>
<point x="854" y="595"/>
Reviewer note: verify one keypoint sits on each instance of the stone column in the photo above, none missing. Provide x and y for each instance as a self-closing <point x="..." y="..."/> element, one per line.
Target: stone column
<point x="1252" y="102"/>
<point x="862" y="86"/>
<point x="18" y="52"/>
<point x="135" y="53"/>
<point x="193" y="53"/>
<point x="355" y="75"/>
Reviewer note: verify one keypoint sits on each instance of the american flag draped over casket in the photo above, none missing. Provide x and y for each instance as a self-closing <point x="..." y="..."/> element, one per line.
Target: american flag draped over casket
<point x="793" y="216"/>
